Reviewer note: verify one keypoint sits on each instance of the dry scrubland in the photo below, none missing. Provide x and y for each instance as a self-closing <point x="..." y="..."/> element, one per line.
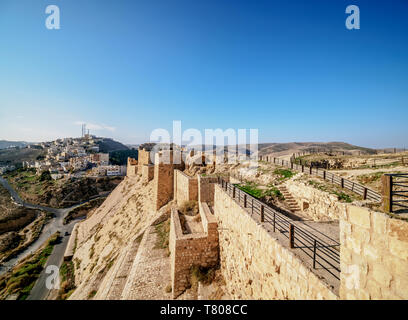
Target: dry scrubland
<point x="364" y="169"/>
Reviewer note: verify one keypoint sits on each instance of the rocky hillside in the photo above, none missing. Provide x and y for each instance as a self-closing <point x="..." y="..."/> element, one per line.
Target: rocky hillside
<point x="107" y="241"/>
<point x="13" y="217"/>
<point x="58" y="193"/>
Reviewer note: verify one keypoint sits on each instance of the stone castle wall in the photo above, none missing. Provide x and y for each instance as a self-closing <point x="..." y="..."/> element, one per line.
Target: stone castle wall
<point x="164" y="177"/>
<point x="194" y="249"/>
<point x="144" y="157"/>
<point x="206" y="188"/>
<point x="374" y="255"/>
<point x="318" y="205"/>
<point x="185" y="187"/>
<point x="131" y="169"/>
<point x="254" y="264"/>
<point x="147" y="172"/>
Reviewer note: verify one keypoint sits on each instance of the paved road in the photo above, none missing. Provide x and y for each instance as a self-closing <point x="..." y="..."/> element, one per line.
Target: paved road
<point x="39" y="291"/>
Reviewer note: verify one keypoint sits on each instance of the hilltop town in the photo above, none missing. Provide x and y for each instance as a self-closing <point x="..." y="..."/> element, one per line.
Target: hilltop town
<point x="76" y="157"/>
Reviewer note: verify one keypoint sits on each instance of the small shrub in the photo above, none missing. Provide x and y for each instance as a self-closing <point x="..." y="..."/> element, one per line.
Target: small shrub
<point x="201" y="274"/>
<point x="91" y="294"/>
<point x="163" y="231"/>
<point x="343" y="197"/>
<point x="189" y="208"/>
<point x="284" y="173"/>
<point x="274" y="192"/>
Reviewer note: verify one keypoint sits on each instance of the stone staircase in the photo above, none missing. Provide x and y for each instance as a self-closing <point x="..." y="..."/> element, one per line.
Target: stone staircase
<point x="289" y="200"/>
<point x="150" y="273"/>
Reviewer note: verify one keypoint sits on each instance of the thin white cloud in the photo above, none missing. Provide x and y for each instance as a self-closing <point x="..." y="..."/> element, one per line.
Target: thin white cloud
<point x="95" y="127"/>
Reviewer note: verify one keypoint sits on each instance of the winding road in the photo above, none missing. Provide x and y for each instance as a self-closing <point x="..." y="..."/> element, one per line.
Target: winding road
<point x="40" y="291"/>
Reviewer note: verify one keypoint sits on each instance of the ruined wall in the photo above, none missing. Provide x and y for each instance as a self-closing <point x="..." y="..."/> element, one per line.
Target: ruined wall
<point x="164" y="177"/>
<point x="143" y="160"/>
<point x="254" y="264"/>
<point x="374" y="255"/>
<point x="187" y="250"/>
<point x="147" y="172"/>
<point x="131" y="169"/>
<point x="206" y="188"/>
<point x="318" y="205"/>
<point x="185" y="187"/>
<point x="143" y="157"/>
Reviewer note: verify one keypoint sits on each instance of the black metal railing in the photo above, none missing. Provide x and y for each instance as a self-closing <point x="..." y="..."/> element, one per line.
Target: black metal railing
<point x="322" y="250"/>
<point x="364" y="192"/>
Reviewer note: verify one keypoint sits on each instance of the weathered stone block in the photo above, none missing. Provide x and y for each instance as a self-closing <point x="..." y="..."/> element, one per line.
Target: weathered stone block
<point x="359" y="216"/>
<point x="361" y="235"/>
<point x="371" y="252"/>
<point x="399" y="229"/>
<point x="401" y="288"/>
<point x="373" y="289"/>
<point x="381" y="275"/>
<point x="379" y="222"/>
<point x="399" y="248"/>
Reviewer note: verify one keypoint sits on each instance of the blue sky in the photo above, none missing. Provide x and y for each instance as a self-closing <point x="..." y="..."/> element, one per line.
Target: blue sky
<point x="288" y="68"/>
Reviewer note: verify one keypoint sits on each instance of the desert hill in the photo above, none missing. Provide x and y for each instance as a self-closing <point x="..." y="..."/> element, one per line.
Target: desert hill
<point x="281" y="149"/>
<point x="110" y="145"/>
<point x="4" y="144"/>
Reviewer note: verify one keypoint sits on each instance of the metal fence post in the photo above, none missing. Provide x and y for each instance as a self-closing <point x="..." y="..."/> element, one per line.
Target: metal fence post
<point x="252" y="210"/>
<point x="314" y="254"/>
<point x="274" y="221"/>
<point x="342" y="182"/>
<point x="324" y="174"/>
<point x="245" y="200"/>
<point x="233" y="192"/>
<point x="262" y="213"/>
<point x="291" y="236"/>
<point x="365" y="194"/>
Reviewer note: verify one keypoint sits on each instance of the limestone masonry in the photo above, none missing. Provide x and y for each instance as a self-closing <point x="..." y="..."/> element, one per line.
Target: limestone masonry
<point x="194" y="249"/>
<point x="255" y="262"/>
<point x="374" y="255"/>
